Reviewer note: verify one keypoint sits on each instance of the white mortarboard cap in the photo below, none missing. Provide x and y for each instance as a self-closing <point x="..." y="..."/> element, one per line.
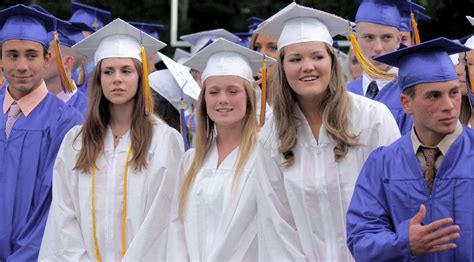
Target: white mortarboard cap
<point x="454" y="58"/>
<point x="471" y="19"/>
<point x="224" y="58"/>
<point x="180" y="55"/>
<point x="200" y="39"/>
<point x="297" y="24"/>
<point x="183" y="77"/>
<point x="117" y="39"/>
<point x="165" y="84"/>
<point x="470" y="42"/>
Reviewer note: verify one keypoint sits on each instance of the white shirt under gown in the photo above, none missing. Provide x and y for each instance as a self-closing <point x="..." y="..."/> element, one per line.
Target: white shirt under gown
<point x="68" y="233"/>
<point x="220" y="224"/>
<point x="302" y="209"/>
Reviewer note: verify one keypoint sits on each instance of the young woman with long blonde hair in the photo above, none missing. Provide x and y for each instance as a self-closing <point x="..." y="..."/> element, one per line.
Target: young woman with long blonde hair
<point x="215" y="207"/>
<point x="309" y="155"/>
<point x="114" y="175"/>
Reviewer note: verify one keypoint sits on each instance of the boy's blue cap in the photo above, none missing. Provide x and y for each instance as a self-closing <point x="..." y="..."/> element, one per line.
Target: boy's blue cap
<point x="21" y="22"/>
<point x="405" y="16"/>
<point x="94" y="17"/>
<point x="427" y="62"/>
<point x="151" y="29"/>
<point x="382" y="12"/>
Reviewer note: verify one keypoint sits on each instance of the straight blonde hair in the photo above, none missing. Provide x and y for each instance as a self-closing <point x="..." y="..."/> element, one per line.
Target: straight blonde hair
<point x="335" y="108"/>
<point x="205" y="136"/>
<point x="98" y="118"/>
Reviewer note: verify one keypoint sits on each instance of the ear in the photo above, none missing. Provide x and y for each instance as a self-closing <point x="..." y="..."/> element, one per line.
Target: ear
<point x="68" y="63"/>
<point x="47" y="60"/>
<point x="406" y="102"/>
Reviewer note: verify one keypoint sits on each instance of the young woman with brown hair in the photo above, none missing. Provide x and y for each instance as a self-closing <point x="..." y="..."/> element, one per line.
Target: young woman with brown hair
<point x="114" y="175"/>
<point x="309" y="156"/>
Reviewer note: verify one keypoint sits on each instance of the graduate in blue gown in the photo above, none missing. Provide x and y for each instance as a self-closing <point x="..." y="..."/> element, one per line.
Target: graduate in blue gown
<point x="372" y="26"/>
<point x="395" y="208"/>
<point x="28" y="153"/>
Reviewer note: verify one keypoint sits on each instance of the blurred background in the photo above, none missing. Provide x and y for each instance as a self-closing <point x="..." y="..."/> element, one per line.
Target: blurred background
<point x="448" y="16"/>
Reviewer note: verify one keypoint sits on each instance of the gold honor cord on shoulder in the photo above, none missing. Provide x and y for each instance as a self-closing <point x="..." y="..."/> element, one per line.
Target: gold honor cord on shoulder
<point x="365" y="63"/>
<point x="66" y="82"/>
<point x="263" y="99"/>
<point x="416" y="33"/>
<point x="146" y="85"/>
<point x="124" y="210"/>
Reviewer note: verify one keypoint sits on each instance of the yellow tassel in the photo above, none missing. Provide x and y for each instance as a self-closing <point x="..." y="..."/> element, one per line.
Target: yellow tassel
<point x="263" y="99"/>
<point x="1" y="77"/>
<point x="82" y="75"/>
<point x="94" y="224"/>
<point x="416" y="33"/>
<point x="146" y="85"/>
<point x="365" y="63"/>
<point x="469" y="77"/>
<point x="66" y="82"/>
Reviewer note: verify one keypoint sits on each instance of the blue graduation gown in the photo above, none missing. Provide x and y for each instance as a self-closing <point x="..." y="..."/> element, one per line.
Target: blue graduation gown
<point x="390" y="190"/>
<point x="390" y="96"/>
<point x="79" y="101"/>
<point x="26" y="161"/>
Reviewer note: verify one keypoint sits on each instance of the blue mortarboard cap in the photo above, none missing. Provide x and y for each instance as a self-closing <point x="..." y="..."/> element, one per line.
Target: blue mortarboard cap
<point x="244" y="38"/>
<point x="151" y="29"/>
<point x="21" y="22"/>
<point x="253" y="22"/>
<point x="94" y="17"/>
<point x="405" y="16"/>
<point x="427" y="62"/>
<point x="383" y="12"/>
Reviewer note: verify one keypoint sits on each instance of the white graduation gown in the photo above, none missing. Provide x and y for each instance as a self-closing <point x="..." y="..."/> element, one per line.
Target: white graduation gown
<point x="302" y="209"/>
<point x="68" y="233"/>
<point x="219" y="225"/>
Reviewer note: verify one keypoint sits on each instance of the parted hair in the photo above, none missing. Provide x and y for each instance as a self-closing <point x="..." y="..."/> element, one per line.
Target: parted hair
<point x="335" y="109"/>
<point x="94" y="129"/>
<point x="205" y="135"/>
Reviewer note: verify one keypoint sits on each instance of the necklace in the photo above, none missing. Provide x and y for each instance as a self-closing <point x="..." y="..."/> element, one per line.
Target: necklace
<point x="124" y="210"/>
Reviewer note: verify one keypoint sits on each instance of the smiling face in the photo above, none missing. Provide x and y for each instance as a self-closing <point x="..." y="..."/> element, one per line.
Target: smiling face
<point x="435" y="108"/>
<point x="307" y="67"/>
<point x="24" y="63"/>
<point x="226" y="100"/>
<point x="119" y="80"/>
<point x="376" y="40"/>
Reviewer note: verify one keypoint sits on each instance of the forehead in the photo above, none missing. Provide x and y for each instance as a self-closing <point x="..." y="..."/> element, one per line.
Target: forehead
<point x="117" y="62"/>
<point x="21" y="45"/>
<point x="262" y="39"/>
<point x="437" y="86"/>
<point x="366" y="28"/>
<point x="305" y="47"/>
<point x="224" y="81"/>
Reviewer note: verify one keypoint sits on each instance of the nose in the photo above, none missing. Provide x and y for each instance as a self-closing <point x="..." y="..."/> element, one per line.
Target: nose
<point x="117" y="78"/>
<point x="223" y="98"/>
<point x="450" y="101"/>
<point x="307" y="65"/>
<point x="21" y="66"/>
<point x="378" y="46"/>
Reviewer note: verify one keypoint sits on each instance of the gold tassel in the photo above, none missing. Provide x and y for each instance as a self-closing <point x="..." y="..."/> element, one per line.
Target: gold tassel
<point x="468" y="76"/>
<point x="82" y="75"/>
<point x="263" y="98"/>
<point x="1" y="77"/>
<point x="66" y="82"/>
<point x="146" y="85"/>
<point x="365" y="63"/>
<point x="416" y="33"/>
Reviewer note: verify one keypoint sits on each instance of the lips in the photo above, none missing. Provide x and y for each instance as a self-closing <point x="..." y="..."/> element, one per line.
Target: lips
<point x="118" y="90"/>
<point x="449" y="120"/>
<point x="224" y="110"/>
<point x="309" y="78"/>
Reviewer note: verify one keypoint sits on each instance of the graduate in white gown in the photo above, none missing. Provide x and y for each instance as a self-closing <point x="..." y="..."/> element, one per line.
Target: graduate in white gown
<point x="114" y="176"/>
<point x="309" y="156"/>
<point x="215" y="211"/>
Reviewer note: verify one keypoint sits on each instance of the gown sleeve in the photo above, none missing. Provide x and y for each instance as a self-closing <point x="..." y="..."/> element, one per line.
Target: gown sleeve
<point x="371" y="234"/>
<point x="277" y="236"/>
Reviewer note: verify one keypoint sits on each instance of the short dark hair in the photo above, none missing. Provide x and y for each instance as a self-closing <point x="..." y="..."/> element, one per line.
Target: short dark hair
<point x="45" y="50"/>
<point x="410" y="91"/>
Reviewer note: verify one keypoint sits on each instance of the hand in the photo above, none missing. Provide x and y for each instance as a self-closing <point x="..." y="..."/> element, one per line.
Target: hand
<point x="431" y="238"/>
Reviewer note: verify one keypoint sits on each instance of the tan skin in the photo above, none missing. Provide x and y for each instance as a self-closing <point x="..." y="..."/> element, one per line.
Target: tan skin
<point x="267" y="45"/>
<point x="51" y="75"/>
<point x="463" y="58"/>
<point x="435" y="109"/>
<point x="24" y="63"/>
<point x="407" y="39"/>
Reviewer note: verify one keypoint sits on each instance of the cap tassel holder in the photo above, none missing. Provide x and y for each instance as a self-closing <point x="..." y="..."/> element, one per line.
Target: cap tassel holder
<point x="470" y="88"/>
<point x="368" y="67"/>
<point x="263" y="99"/>
<point x="66" y="82"/>
<point x="416" y="33"/>
<point x="146" y="84"/>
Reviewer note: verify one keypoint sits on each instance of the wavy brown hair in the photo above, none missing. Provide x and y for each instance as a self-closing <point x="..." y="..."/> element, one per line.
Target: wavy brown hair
<point x="466" y="110"/>
<point x="98" y="118"/>
<point x="335" y="107"/>
<point x="205" y="135"/>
